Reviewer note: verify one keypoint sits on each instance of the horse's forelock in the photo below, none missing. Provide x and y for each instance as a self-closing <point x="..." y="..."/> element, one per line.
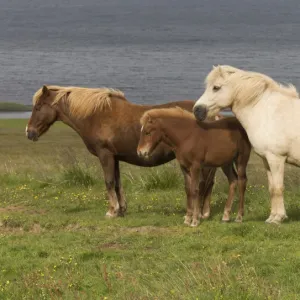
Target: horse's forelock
<point x="220" y="72"/>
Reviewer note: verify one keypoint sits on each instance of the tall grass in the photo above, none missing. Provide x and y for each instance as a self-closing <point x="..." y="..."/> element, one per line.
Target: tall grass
<point x="76" y="175"/>
<point x="162" y="178"/>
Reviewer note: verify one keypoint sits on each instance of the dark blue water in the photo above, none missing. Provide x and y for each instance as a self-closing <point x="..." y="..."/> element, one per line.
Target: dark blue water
<point x="153" y="50"/>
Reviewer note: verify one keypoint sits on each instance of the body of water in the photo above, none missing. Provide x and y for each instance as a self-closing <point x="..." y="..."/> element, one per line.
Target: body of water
<point x="15" y="115"/>
<point x="153" y="50"/>
<point x="27" y="114"/>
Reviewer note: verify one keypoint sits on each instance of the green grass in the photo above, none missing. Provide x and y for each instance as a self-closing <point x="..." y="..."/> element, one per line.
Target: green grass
<point x="55" y="242"/>
<point x="11" y="106"/>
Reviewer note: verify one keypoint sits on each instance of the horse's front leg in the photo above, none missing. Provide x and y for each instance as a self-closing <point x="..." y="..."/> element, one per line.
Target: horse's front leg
<point x="196" y="178"/>
<point x="119" y="189"/>
<point x="189" y="205"/>
<point x="232" y="180"/>
<point x="275" y="170"/>
<point x="209" y="177"/>
<point x="107" y="161"/>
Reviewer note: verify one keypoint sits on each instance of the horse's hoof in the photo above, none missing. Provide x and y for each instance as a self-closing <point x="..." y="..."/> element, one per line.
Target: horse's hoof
<point x="194" y="224"/>
<point x="205" y="216"/>
<point x="238" y="220"/>
<point x="187" y="220"/>
<point x="121" y="213"/>
<point x="273" y="221"/>
<point x="110" y="215"/>
<point x="270" y="219"/>
<point x="225" y="220"/>
<point x="123" y="208"/>
<point x="277" y="219"/>
<point x="280" y="217"/>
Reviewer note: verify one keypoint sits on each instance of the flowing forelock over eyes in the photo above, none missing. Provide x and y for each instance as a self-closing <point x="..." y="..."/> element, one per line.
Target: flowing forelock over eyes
<point x="174" y="112"/>
<point x="248" y="85"/>
<point x="220" y="71"/>
<point x="82" y="102"/>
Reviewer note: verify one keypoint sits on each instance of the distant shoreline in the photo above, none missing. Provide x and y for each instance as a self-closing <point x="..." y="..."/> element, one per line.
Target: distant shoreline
<point x="14" y="107"/>
<point x="11" y="107"/>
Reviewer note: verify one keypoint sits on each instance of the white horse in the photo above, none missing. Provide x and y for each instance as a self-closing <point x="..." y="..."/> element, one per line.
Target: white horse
<point x="270" y="114"/>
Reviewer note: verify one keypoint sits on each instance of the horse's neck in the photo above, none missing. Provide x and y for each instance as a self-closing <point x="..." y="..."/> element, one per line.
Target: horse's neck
<point x="176" y="131"/>
<point x="65" y="116"/>
<point x="253" y="116"/>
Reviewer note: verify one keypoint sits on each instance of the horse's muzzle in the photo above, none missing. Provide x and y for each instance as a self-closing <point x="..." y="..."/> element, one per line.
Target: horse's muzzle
<point x="143" y="154"/>
<point x="200" y="112"/>
<point x="32" y="135"/>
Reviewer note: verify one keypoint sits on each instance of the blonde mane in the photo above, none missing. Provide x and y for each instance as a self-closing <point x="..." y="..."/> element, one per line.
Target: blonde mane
<point x="174" y="112"/>
<point x="249" y="85"/>
<point x="82" y="102"/>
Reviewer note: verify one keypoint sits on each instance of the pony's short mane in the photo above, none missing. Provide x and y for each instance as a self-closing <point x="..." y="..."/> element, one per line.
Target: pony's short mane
<point x="249" y="85"/>
<point x="82" y="102"/>
<point x="174" y="112"/>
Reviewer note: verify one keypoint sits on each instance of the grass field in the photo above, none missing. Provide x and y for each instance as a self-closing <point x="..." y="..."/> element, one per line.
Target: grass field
<point x="56" y="244"/>
<point x="10" y="107"/>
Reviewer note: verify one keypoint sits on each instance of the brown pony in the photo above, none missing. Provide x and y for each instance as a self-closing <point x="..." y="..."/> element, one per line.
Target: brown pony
<point x="108" y="124"/>
<point x="198" y="145"/>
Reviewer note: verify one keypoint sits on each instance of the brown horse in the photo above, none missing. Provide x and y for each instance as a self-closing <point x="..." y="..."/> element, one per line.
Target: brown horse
<point x="198" y="145"/>
<point x="108" y="124"/>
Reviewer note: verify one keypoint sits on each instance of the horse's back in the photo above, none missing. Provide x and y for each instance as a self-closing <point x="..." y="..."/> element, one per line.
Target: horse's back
<point x="184" y="104"/>
<point x="229" y="127"/>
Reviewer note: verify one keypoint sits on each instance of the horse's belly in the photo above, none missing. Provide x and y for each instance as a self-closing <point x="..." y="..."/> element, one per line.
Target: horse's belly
<point x="271" y="142"/>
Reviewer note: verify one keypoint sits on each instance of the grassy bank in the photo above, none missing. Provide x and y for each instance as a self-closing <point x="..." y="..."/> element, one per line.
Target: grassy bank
<point x="56" y="244"/>
<point x="14" y="107"/>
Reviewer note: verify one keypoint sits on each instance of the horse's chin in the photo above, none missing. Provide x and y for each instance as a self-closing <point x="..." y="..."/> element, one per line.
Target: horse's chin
<point x="211" y="113"/>
<point x="146" y="157"/>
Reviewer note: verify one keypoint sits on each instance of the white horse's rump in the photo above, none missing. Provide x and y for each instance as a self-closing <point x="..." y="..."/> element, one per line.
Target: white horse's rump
<point x="270" y="114"/>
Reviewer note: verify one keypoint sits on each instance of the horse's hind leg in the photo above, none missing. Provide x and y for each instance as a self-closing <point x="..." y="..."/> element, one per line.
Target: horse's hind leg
<point x="276" y="170"/>
<point x="107" y="161"/>
<point x="119" y="189"/>
<point x="209" y="176"/>
<point x="231" y="174"/>
<point x="242" y="162"/>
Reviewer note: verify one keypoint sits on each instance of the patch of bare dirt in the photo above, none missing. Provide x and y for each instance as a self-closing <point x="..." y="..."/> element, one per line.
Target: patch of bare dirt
<point x="73" y="227"/>
<point x="147" y="229"/>
<point x="36" y="228"/>
<point x="13" y="208"/>
<point x="112" y="245"/>
<point x="10" y="230"/>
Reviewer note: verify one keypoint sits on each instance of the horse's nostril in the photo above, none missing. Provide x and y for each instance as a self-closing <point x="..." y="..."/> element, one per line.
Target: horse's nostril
<point x="30" y="135"/>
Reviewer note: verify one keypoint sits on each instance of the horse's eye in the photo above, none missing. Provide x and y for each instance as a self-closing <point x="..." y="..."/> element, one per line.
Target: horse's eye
<point x="216" y="88"/>
<point x="148" y="133"/>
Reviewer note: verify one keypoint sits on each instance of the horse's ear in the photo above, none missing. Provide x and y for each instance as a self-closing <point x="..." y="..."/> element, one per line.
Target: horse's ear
<point x="220" y="70"/>
<point x="150" y="120"/>
<point x="45" y="90"/>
